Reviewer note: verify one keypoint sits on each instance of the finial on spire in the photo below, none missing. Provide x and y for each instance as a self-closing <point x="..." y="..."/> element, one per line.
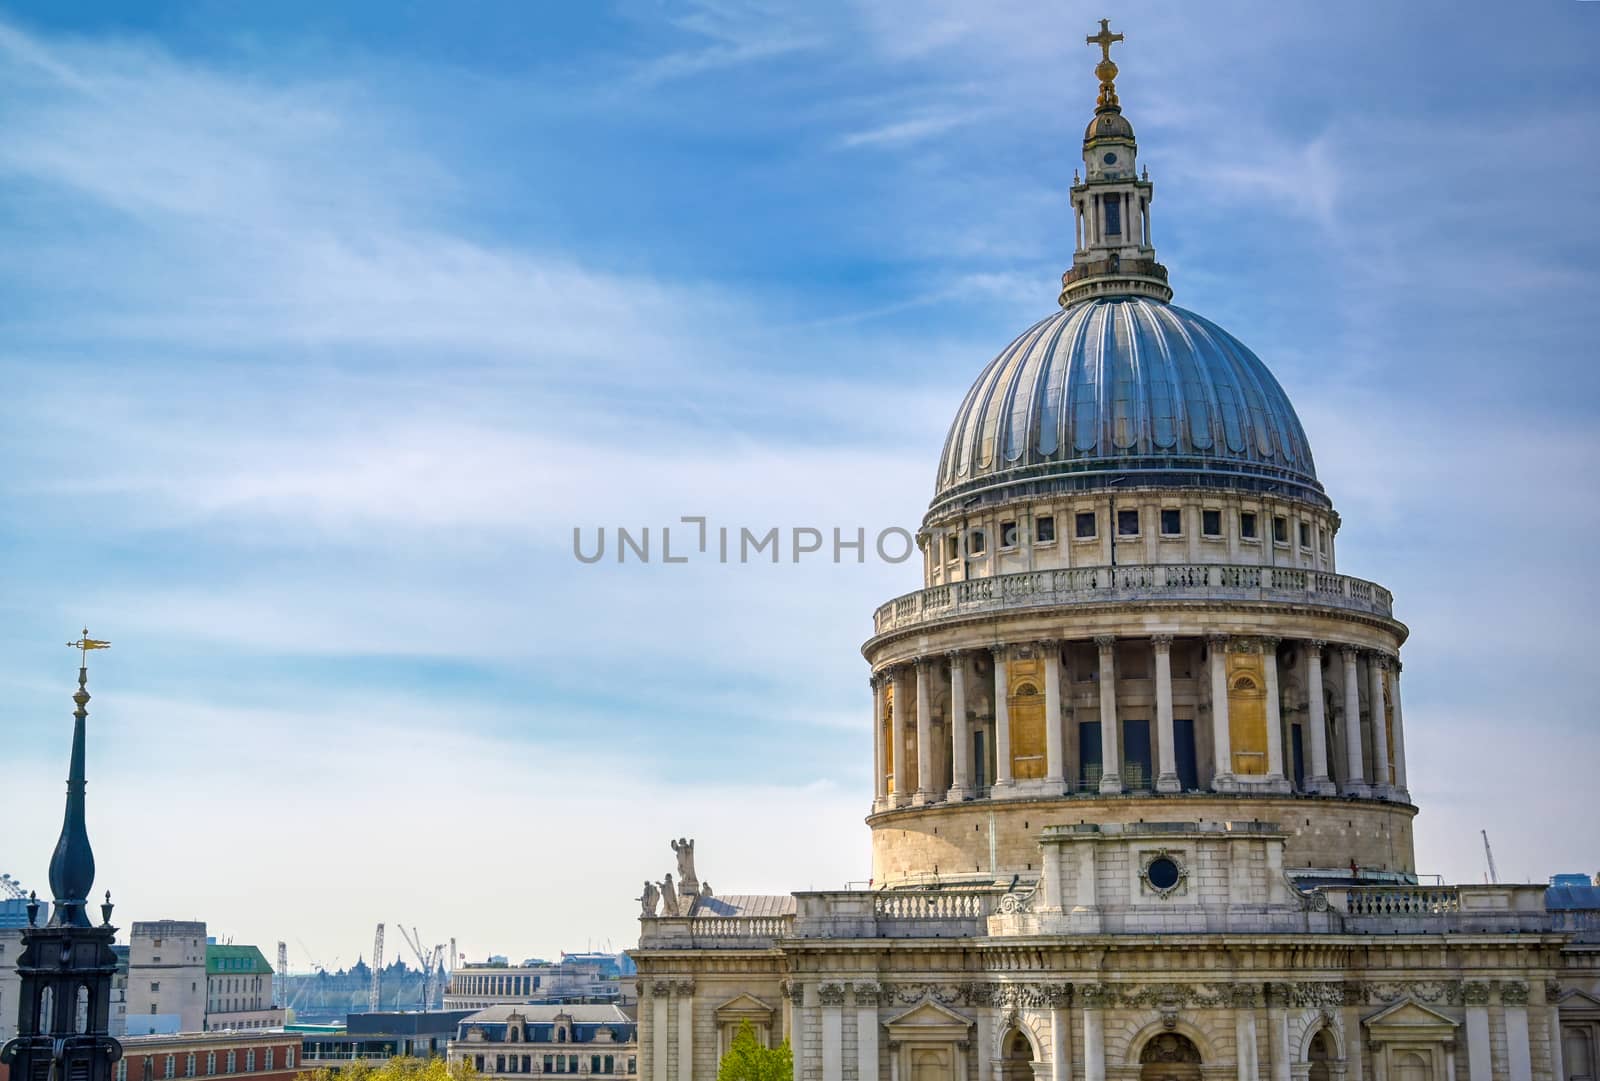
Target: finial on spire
<point x="1106" y="71"/>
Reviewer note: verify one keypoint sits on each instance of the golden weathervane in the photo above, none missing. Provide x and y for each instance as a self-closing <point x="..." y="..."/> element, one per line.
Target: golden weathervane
<point x="85" y="644"/>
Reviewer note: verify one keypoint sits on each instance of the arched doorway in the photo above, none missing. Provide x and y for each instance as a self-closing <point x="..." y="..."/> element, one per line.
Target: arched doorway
<point x="1016" y="1057"/>
<point x="1320" y="1055"/>
<point x="1169" y="1057"/>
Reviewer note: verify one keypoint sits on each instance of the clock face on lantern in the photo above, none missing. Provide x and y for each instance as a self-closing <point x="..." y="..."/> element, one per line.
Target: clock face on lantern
<point x="1110" y="159"/>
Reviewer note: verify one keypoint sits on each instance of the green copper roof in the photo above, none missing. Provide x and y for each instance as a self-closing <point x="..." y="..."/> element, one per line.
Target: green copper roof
<point x="236" y="961"/>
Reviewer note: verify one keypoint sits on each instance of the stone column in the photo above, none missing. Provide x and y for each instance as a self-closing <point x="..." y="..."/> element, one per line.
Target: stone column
<point x="658" y="1030"/>
<point x="1479" y="1062"/>
<point x="1277" y="771"/>
<point x="1450" y="1062"/>
<point x="1356" y="782"/>
<point x="1245" y="1035"/>
<point x="683" y="999"/>
<point x="897" y="733"/>
<point x="960" y="731"/>
<point x="1167" y="780"/>
<point x="1317" y="719"/>
<point x="795" y="995"/>
<point x="1519" y="1053"/>
<point x="880" y="783"/>
<point x="1401" y="789"/>
<point x="1221" y="734"/>
<point x="867" y="1032"/>
<point x="1054" y="737"/>
<point x="1377" y="665"/>
<point x="924" y="793"/>
<point x="1060" y="1040"/>
<point x="830" y="997"/>
<point x="1278" y="1038"/>
<point x="1002" y="723"/>
<point x="1110" y="737"/>
<point x="1094" y="1045"/>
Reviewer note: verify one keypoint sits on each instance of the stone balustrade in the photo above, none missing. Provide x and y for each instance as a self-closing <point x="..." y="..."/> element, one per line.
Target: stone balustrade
<point x="1434" y="909"/>
<point x="713" y="932"/>
<point x="895" y="913"/>
<point x="1208" y="582"/>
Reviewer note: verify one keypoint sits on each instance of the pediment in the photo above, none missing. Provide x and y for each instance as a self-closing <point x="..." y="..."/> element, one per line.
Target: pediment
<point x="926" y="1018"/>
<point x="1408" y="1017"/>
<point x="744" y="1006"/>
<point x="1574" y="1000"/>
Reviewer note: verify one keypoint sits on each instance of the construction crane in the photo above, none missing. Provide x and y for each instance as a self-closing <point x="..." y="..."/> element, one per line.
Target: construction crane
<point x="1488" y="854"/>
<point x="283" y="975"/>
<point x="377" y="967"/>
<point x="429" y="960"/>
<point x="11" y="888"/>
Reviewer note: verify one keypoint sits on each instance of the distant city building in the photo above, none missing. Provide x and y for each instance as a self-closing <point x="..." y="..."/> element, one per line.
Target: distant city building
<point x="239" y="989"/>
<point x="13" y="918"/>
<point x="247" y="1056"/>
<point x="166" y="977"/>
<point x="597" y="1040"/>
<point x="577" y="977"/>
<point x="375" y="1038"/>
<point x="119" y="993"/>
<point x="14" y="912"/>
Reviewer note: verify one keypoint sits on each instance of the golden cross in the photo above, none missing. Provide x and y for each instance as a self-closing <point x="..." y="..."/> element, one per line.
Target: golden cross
<point x="85" y="644"/>
<point x="1104" y="39"/>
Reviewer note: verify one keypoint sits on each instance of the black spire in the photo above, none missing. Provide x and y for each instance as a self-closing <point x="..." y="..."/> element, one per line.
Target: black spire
<point x="72" y="865"/>
<point x="66" y="966"/>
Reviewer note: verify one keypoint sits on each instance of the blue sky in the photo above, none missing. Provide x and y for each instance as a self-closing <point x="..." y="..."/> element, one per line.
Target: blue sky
<point x="321" y="329"/>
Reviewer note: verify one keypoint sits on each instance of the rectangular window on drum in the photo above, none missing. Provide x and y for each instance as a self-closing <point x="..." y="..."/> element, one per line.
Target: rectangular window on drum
<point x="1044" y="530"/>
<point x="1211" y="523"/>
<point x="1127" y="523"/>
<point x="1085" y="525"/>
<point x="1171" y="522"/>
<point x="1247" y="524"/>
<point x="1113" y="216"/>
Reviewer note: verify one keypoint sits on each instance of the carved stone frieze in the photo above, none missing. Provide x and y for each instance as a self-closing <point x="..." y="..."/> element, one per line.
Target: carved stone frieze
<point x="868" y="994"/>
<point x="1514" y="993"/>
<point x="1475" y="993"/>
<point x="830" y="994"/>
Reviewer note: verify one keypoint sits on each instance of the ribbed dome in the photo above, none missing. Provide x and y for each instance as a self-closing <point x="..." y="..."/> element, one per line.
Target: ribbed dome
<point x="1124" y="387"/>
<point x="1108" y="125"/>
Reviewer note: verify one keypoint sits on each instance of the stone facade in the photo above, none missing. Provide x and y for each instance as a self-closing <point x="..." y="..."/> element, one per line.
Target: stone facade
<point x="1140" y="807"/>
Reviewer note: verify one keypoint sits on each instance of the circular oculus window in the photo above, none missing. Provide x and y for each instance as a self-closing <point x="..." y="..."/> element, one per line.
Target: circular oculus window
<point x="1109" y="159"/>
<point x="1163" y="873"/>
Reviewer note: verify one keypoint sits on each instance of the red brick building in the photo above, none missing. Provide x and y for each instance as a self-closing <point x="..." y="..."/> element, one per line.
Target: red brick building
<point x="210" y="1056"/>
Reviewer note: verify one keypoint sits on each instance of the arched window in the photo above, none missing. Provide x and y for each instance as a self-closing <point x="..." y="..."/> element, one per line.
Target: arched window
<point x="80" y="1013"/>
<point x="1320" y="1054"/>
<point x="47" y="1009"/>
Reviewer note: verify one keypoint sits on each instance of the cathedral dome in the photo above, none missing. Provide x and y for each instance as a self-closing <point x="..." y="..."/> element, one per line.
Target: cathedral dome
<point x="1108" y="125"/>
<point x="1123" y="390"/>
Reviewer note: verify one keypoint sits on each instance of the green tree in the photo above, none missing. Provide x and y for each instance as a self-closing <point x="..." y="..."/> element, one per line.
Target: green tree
<point x="401" y="1069"/>
<point x="747" y="1060"/>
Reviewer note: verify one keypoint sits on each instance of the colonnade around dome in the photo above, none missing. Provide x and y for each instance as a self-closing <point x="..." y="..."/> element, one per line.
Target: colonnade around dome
<point x="1138" y="527"/>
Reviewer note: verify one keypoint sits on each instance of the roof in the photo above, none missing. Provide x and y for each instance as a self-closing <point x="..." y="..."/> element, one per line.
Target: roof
<point x="744" y="904"/>
<point x="236" y="961"/>
<point x="514" y="1025"/>
<point x="1123" y="389"/>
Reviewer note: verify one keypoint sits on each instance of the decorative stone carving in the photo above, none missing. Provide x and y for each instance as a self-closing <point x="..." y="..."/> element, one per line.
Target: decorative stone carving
<point x="1475" y="993"/>
<point x="1513" y="993"/>
<point x="1097" y="997"/>
<point x="661" y="987"/>
<point x="1162" y="642"/>
<point x="1310" y="900"/>
<point x="1106" y="642"/>
<point x="1355" y="993"/>
<point x="1171" y="876"/>
<point x="830" y="994"/>
<point x="649" y="899"/>
<point x="1019" y="900"/>
<point x="868" y="994"/>
<point x="669" y="898"/>
<point x="684" y="987"/>
<point x="1244" y="996"/>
